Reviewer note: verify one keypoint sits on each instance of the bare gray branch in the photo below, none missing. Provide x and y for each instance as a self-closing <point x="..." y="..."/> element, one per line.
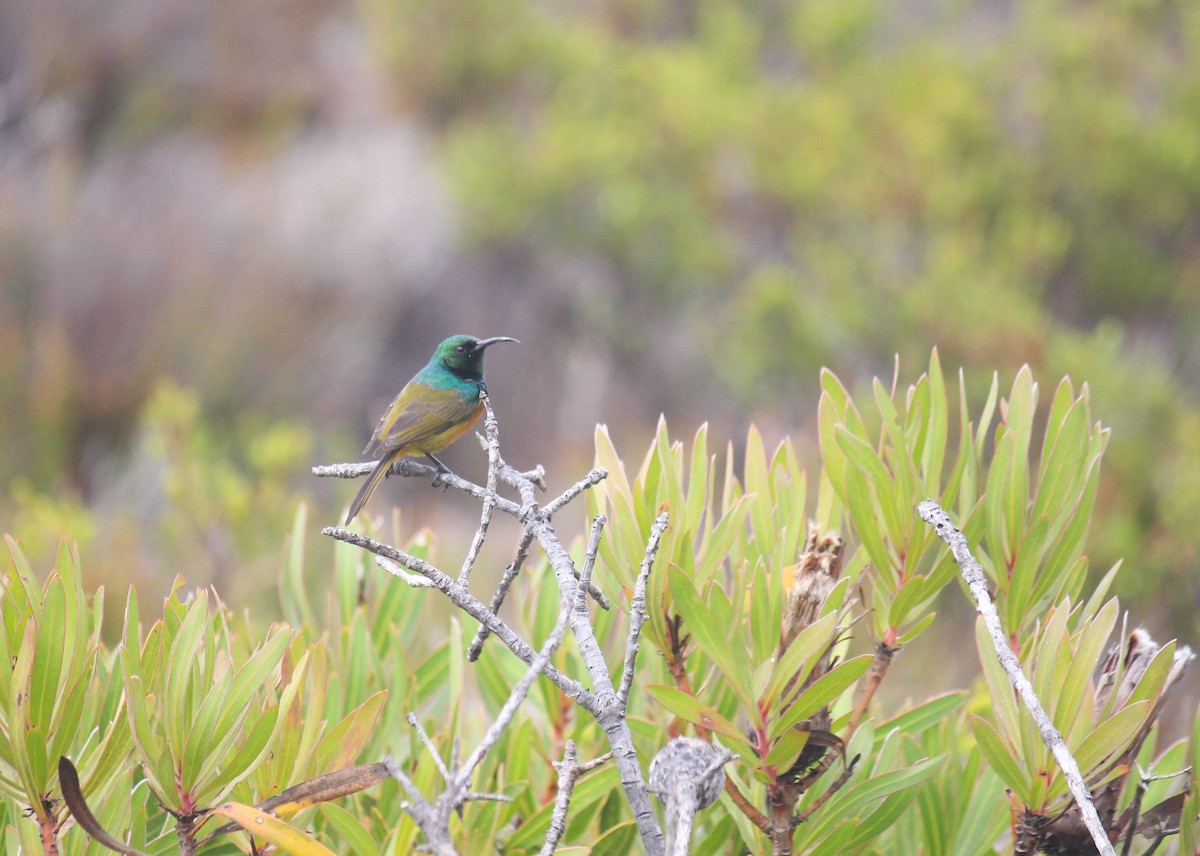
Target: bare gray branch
<point x="972" y="572"/>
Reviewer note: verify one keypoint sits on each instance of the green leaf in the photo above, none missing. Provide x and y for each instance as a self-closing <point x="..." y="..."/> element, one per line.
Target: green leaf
<point x="787" y="749"/>
<point x="868" y="829"/>
<point x="343" y="742"/>
<point x="131" y="654"/>
<point x="39" y="764"/>
<point x="999" y="473"/>
<point x="1088" y="650"/>
<point x="1022" y="402"/>
<point x="1150" y="684"/>
<point x="757" y="483"/>
<point x="916" y="720"/>
<point x="710" y="635"/>
<point x="916" y="630"/>
<point x="1063" y="464"/>
<point x="348" y="578"/>
<point x="247" y="760"/>
<point x="867" y="461"/>
<point x="691" y="709"/>
<point x="937" y="428"/>
<point x="177" y="716"/>
<point x="48" y="655"/>
<point x="198" y="745"/>
<point x="243" y="761"/>
<point x="1097" y="597"/>
<point x="984" y="818"/>
<point x="850" y="800"/>
<point x="1000" y="758"/>
<point x="699" y="491"/>
<point x="618" y="841"/>
<point x="832" y="457"/>
<point x="900" y="457"/>
<point x="1004" y="704"/>
<point x="1110" y="736"/>
<point x="1025" y="571"/>
<point x="249" y="680"/>
<point x="70" y="713"/>
<point x="718" y="542"/>
<point x="350" y="830"/>
<point x="862" y="505"/>
<point x="296" y="592"/>
<point x="888" y="783"/>
<point x="765" y="633"/>
<point x="1071" y="540"/>
<point x="822" y="692"/>
<point x="25" y="578"/>
<point x="1051" y="659"/>
<point x="800" y="657"/>
<point x="908" y="597"/>
<point x="18" y="715"/>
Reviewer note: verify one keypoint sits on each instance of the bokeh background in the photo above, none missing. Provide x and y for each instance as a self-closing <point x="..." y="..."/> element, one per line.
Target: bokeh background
<point x="229" y="231"/>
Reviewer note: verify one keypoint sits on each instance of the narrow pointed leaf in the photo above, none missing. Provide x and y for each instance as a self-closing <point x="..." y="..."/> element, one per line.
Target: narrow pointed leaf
<point x="691" y="709"/>
<point x="1000" y="757"/>
<point x="822" y="692"/>
<point x="271" y="829"/>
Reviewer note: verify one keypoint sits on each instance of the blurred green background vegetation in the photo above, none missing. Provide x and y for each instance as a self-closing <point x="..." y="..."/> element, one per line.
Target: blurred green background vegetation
<point x="229" y="233"/>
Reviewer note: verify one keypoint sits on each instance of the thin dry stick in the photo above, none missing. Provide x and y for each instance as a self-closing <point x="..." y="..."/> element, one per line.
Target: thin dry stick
<point x="506" y="581"/>
<point x="748" y="808"/>
<point x="434" y="818"/>
<point x="431" y="749"/>
<point x="491" y="445"/>
<point x="465" y="601"/>
<point x="515" y="699"/>
<point x="413" y="580"/>
<point x="637" y="608"/>
<point x="972" y="572"/>
<point x="411" y="468"/>
<point x="568" y="772"/>
<point x="592" y="479"/>
<point x="834" y="787"/>
<point x="589" y="563"/>
<point x="601" y="702"/>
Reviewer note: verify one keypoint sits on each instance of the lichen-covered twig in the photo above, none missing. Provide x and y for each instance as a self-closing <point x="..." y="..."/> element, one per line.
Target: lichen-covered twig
<point x="637" y="608"/>
<point x="465" y="601"/>
<point x="602" y="701"/>
<point x="434" y="818"/>
<point x="568" y="772"/>
<point x="491" y="444"/>
<point x="592" y="479"/>
<point x="589" y="563"/>
<point x="506" y="581"/>
<point x="972" y="572"/>
<point x="413" y="580"/>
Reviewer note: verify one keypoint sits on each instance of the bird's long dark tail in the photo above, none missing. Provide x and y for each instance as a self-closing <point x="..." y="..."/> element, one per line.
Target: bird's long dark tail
<point x="372" y="482"/>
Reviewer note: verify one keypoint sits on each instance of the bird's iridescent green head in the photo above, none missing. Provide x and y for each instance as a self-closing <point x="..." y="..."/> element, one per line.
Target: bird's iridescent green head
<point x="463" y="355"/>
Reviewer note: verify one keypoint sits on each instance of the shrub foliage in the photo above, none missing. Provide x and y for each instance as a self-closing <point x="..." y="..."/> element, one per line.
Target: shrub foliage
<point x="776" y="608"/>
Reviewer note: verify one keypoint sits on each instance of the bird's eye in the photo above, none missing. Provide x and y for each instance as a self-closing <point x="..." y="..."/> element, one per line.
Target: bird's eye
<point x="461" y="349"/>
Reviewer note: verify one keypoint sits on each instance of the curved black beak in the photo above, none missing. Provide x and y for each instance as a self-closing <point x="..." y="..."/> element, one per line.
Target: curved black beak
<point x="483" y="343"/>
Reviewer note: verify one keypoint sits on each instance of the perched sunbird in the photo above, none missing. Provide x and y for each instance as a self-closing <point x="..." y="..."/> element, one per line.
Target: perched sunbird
<point x="433" y="410"/>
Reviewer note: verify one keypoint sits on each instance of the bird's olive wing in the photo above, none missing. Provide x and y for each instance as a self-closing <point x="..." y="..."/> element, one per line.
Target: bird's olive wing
<point x="416" y="416"/>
